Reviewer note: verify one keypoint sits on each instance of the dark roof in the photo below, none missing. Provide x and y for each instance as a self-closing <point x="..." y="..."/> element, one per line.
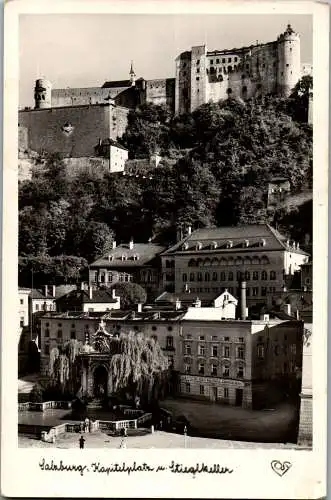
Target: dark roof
<point x="60" y="290"/>
<point x="98" y="296"/>
<point x="140" y="255"/>
<point x="186" y="298"/>
<point x="111" y="142"/>
<point x="254" y="233"/>
<point x="116" y="84"/>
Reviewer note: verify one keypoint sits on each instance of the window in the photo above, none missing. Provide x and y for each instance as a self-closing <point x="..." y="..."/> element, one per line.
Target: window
<point x="201" y="350"/>
<point x="214" y="369"/>
<point x="191" y="276"/>
<point x="72" y="334"/>
<point x="255" y="275"/>
<point x="240" y="372"/>
<point x="21" y="301"/>
<point x="170" y="361"/>
<point x="293" y="348"/>
<point x="199" y="276"/>
<point x="226" y="351"/>
<point x="201" y="337"/>
<point x="276" y="350"/>
<point x="202" y="390"/>
<point x="226" y="371"/>
<point x="201" y="368"/>
<point x="214" y="351"/>
<point x="187" y="368"/>
<point x="154" y="328"/>
<point x="198" y="61"/>
<point x="235" y="59"/>
<point x="255" y="291"/>
<point x="187" y="349"/>
<point x="217" y="61"/>
<point x="238" y="275"/>
<point x="184" y="277"/>
<point x="46" y="349"/>
<point x="229" y="91"/>
<point x="170" y="328"/>
<point x="59" y="325"/>
<point x="215" y="277"/>
<point x="272" y="275"/>
<point x="170" y="342"/>
<point x="229" y="60"/>
<point x="260" y="351"/>
<point x="187" y="387"/>
<point x="22" y="321"/>
<point x="226" y="393"/>
<point x="240" y="353"/>
<point x="241" y="339"/>
<point x="264" y="291"/>
<point x="198" y="70"/>
<point x="226" y="339"/>
<point x="230" y="277"/>
<point x="211" y="62"/>
<point x="223" y="60"/>
<point x="59" y="334"/>
<point x="222" y="276"/>
<point x="37" y="307"/>
<point x="207" y="277"/>
<point x="247" y="275"/>
<point x="264" y="275"/>
<point x="197" y="78"/>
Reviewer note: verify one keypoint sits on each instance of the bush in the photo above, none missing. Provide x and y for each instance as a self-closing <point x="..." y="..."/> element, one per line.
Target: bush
<point x="36" y="394"/>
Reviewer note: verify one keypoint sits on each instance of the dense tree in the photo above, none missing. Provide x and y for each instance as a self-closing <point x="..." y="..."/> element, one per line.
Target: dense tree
<point x="131" y="294"/>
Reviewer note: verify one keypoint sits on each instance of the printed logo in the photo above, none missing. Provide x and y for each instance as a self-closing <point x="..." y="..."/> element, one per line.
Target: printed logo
<point x="280" y="468"/>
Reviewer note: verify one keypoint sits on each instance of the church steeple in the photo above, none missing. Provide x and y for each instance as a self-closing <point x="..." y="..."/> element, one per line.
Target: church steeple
<point x="132" y="75"/>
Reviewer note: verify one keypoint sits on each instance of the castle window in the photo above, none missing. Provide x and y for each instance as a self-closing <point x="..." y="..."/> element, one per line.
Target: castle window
<point x="235" y="59"/>
<point x="191" y="276"/>
<point x="212" y="61"/>
<point x="222" y="276"/>
<point x="272" y="275"/>
<point x="198" y="70"/>
<point x="217" y="61"/>
<point x="198" y="61"/>
<point x="229" y="60"/>
<point x="214" y="276"/>
<point x="223" y="60"/>
<point x="230" y="278"/>
<point x="287" y="65"/>
<point x="184" y="277"/>
<point x="207" y="277"/>
<point x="230" y="69"/>
<point x="247" y="66"/>
<point x="197" y="78"/>
<point x="235" y="68"/>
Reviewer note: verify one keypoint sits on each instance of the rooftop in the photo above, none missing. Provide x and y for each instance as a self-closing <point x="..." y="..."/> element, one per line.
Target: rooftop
<point x="234" y="238"/>
<point x="99" y="296"/>
<point x="139" y="254"/>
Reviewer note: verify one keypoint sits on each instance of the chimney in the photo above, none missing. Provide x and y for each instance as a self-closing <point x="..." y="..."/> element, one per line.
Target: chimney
<point x="287" y="309"/>
<point x="178" y="304"/>
<point x="189" y="230"/>
<point x="53" y="290"/>
<point x="243" y="309"/>
<point x="114" y="245"/>
<point x="197" y="302"/>
<point x="139" y="308"/>
<point x="82" y="286"/>
<point x="131" y="244"/>
<point x="90" y="290"/>
<point x="46" y="290"/>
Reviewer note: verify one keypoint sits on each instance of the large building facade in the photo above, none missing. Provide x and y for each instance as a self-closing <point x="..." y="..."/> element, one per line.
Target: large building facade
<point x="269" y="68"/>
<point x="209" y="260"/>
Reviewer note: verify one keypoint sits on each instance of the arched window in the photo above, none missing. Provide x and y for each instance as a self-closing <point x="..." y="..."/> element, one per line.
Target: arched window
<point x="230" y="261"/>
<point x="230" y="278"/>
<point x="207" y="277"/>
<point x="184" y="277"/>
<point x="255" y="260"/>
<point x="229" y="69"/>
<point x="191" y="276"/>
<point x="264" y="275"/>
<point x="247" y="275"/>
<point x="247" y="261"/>
<point x="239" y="261"/>
<point x="215" y="276"/>
<point x="223" y="262"/>
<point x="229" y="91"/>
<point x="206" y="262"/>
<point x="199" y="276"/>
<point x="272" y="275"/>
<point x="222" y="276"/>
<point x="214" y="262"/>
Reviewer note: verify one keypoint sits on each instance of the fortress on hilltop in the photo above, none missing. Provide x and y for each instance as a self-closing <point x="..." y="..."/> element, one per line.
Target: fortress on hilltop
<point x="74" y="120"/>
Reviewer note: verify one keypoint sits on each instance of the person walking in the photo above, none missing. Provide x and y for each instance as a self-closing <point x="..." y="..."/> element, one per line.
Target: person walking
<point x="86" y="427"/>
<point x="81" y="442"/>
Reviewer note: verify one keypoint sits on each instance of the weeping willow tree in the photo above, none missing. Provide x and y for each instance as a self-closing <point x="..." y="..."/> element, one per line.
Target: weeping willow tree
<point x="63" y="367"/>
<point x="138" y="366"/>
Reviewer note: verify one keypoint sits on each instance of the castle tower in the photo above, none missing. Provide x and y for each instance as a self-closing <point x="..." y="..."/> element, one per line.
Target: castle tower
<point x="132" y="75"/>
<point x="198" y="76"/>
<point x="289" y="65"/>
<point x="43" y="94"/>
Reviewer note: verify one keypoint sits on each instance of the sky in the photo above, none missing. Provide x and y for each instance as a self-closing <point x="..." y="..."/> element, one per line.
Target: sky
<point x="85" y="50"/>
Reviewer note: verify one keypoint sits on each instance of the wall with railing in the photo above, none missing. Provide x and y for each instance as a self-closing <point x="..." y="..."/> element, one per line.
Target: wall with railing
<point x="46" y="405"/>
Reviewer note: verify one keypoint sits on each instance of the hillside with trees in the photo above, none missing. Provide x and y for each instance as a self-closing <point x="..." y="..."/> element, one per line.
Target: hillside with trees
<point x="225" y="154"/>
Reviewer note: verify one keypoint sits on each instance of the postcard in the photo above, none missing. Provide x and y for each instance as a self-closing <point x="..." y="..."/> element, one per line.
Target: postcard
<point x="164" y="271"/>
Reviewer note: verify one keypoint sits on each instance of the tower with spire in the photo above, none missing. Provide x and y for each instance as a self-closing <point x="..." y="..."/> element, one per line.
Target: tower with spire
<point x="132" y="75"/>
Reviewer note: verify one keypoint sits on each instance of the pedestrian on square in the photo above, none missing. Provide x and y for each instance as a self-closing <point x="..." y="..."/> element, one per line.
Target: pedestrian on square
<point x="81" y="442"/>
<point x="87" y="422"/>
<point x="82" y="427"/>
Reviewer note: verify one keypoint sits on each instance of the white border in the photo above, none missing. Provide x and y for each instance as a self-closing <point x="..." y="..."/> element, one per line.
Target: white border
<point x="253" y="477"/>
